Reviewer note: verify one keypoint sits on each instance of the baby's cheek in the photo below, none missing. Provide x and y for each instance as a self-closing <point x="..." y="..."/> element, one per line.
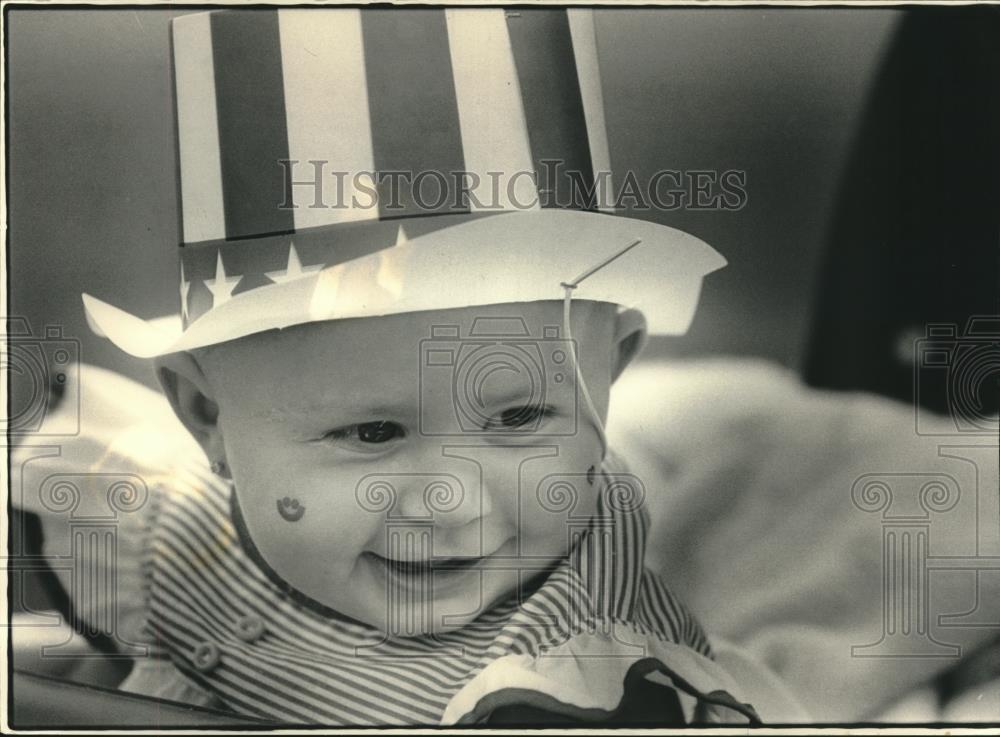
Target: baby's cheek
<point x="298" y="516"/>
<point x="324" y="510"/>
<point x="557" y="499"/>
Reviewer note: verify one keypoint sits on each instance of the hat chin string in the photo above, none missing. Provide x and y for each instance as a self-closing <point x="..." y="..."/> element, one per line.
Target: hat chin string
<point x="595" y="418"/>
<point x="568" y="288"/>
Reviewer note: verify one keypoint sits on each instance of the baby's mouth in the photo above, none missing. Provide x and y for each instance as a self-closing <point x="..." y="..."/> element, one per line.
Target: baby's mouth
<point x="424" y="567"/>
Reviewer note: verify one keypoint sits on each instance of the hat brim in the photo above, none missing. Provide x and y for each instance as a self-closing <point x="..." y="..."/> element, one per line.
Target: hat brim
<point x="506" y="258"/>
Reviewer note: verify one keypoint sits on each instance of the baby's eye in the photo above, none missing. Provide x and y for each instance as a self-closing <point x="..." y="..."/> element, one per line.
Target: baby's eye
<point x="368" y="433"/>
<point x="378" y="432"/>
<point x="520" y="417"/>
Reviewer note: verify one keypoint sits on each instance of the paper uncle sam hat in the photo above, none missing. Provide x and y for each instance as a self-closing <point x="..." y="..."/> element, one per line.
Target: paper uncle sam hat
<point x="339" y="163"/>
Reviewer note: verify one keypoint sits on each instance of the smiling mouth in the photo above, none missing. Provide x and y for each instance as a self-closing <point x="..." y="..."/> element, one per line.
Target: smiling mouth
<point x="425" y="567"/>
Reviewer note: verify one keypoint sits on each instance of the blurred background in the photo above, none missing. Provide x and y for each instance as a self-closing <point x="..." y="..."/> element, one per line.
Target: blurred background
<point x="868" y="138"/>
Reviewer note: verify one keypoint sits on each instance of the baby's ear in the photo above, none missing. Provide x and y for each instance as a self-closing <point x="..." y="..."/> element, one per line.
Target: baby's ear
<point x="629" y="340"/>
<point x="188" y="391"/>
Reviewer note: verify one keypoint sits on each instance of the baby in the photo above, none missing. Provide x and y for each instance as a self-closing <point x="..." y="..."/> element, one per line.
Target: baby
<point x="411" y="514"/>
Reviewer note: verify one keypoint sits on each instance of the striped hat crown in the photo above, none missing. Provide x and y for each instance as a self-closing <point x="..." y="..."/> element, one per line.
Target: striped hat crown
<point x="339" y="163"/>
<point x="301" y="119"/>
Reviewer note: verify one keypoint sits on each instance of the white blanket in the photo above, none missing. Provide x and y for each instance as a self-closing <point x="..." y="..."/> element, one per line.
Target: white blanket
<point x="749" y="477"/>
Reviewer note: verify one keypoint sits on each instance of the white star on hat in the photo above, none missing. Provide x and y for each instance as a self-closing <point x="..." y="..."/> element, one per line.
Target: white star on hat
<point x="294" y="270"/>
<point x="221" y="286"/>
<point x="185" y="288"/>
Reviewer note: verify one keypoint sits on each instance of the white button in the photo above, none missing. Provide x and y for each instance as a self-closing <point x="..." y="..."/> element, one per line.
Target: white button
<point x="249" y="628"/>
<point x="206" y="656"/>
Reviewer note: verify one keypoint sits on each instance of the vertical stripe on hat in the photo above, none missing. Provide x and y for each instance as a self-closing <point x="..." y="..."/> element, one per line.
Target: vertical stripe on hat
<point x="326" y="109"/>
<point x="553" y="108"/>
<point x="253" y="137"/>
<point x="494" y="133"/>
<point x="197" y="130"/>
<point x="414" y="115"/>
<point x="584" y="35"/>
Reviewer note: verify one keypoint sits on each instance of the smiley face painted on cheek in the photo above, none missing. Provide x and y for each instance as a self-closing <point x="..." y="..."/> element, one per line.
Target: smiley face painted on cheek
<point x="290" y="509"/>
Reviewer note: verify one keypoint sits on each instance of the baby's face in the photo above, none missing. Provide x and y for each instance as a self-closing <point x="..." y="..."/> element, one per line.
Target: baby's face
<point x="410" y="471"/>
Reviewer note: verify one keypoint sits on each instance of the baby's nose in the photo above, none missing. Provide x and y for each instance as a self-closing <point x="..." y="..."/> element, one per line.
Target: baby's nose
<point x="450" y="501"/>
<point x="476" y="539"/>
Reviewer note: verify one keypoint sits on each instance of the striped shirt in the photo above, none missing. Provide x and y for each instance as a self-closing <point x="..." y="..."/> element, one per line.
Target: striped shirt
<point x="203" y="587"/>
